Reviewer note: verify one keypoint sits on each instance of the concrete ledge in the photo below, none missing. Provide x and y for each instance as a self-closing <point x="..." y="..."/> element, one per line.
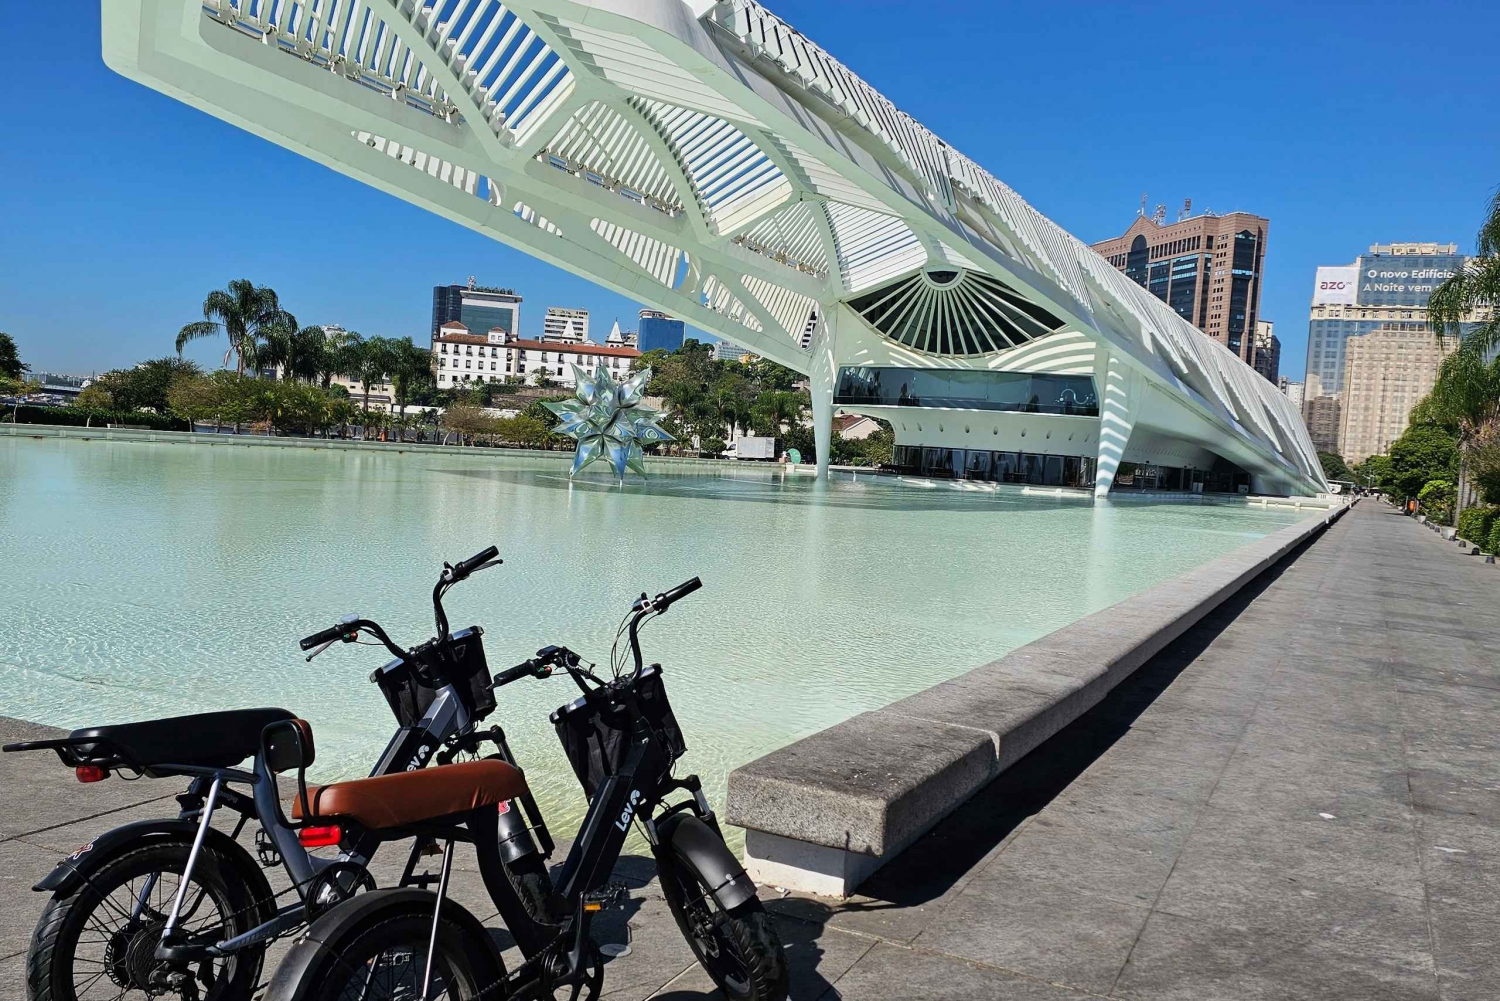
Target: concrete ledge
<point x="332" y="444"/>
<point x="825" y="812"/>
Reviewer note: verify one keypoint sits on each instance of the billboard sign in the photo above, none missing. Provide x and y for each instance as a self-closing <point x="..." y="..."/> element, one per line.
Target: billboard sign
<point x="1403" y="280"/>
<point x="1336" y="286"/>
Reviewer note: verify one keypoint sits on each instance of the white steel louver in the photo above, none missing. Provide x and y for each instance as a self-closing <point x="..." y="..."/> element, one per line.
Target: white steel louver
<point x="662" y="261"/>
<point x="435" y="167"/>
<point x="954" y="313"/>
<point x="789" y="309"/>
<point x="718" y="297"/>
<point x="598" y="142"/>
<point x="872" y="247"/>
<point x="512" y="75"/>
<point x="733" y="179"/>
<point x="793" y="237"/>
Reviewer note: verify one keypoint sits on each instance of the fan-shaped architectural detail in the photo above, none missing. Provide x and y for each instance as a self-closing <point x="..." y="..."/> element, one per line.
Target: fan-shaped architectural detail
<point x="598" y="142"/>
<point x="733" y="178"/>
<point x="704" y="158"/>
<point x="954" y="313"/>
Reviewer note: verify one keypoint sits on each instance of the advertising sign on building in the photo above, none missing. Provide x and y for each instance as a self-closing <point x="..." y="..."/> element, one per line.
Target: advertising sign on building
<point x="1336" y="286"/>
<point x="1403" y="280"/>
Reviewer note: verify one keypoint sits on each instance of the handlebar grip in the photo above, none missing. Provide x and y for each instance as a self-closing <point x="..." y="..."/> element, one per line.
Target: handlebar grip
<point x="468" y="566"/>
<point x="666" y="599"/>
<point x="324" y="636"/>
<point x="525" y="669"/>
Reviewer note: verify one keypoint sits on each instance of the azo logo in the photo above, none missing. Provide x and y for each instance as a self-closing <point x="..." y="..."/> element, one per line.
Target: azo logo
<point x="626" y="814"/>
<point x="420" y="758"/>
<point x="1333" y="286"/>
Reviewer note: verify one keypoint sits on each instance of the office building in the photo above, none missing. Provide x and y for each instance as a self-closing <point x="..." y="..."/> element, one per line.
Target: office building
<point x="1267" y="359"/>
<point x="1385" y="373"/>
<point x="1321" y="412"/>
<point x="568" y="325"/>
<point x="1385" y="289"/>
<point x="658" y="330"/>
<point x="477" y="307"/>
<point x="461" y="357"/>
<point x="725" y="351"/>
<point x="1206" y="267"/>
<point x="1294" y="391"/>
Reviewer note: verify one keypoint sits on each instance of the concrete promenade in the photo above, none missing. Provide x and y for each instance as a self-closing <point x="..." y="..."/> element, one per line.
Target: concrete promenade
<point x="1296" y="799"/>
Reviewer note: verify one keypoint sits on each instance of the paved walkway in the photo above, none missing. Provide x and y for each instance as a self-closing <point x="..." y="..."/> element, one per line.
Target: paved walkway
<point x="1298" y="799"/>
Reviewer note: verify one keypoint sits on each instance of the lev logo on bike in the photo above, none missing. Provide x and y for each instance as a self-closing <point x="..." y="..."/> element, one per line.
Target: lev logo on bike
<point x="420" y="759"/>
<point x="626" y="814"/>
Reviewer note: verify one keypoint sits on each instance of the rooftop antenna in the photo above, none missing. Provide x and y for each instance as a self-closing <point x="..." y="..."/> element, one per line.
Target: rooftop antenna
<point x="1187" y="209"/>
<point x="1160" y="215"/>
<point x="471" y="283"/>
<point x="1143" y="204"/>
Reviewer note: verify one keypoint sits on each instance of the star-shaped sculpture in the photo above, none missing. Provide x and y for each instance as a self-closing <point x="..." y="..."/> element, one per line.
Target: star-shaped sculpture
<point x="608" y="421"/>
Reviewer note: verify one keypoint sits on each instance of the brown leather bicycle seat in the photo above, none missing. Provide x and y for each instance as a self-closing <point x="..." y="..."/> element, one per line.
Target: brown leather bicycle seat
<point x="409" y="797"/>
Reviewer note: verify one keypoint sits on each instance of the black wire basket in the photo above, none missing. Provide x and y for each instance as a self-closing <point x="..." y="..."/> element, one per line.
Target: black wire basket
<point x="596" y="738"/>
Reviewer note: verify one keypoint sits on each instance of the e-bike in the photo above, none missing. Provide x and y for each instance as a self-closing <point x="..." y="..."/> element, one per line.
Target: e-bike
<point x="176" y="906"/>
<point x="415" y="944"/>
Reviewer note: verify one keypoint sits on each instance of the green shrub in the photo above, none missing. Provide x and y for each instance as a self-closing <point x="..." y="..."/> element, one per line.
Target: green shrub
<point x="96" y="417"/>
<point x="1476" y="523"/>
<point x="1436" y="498"/>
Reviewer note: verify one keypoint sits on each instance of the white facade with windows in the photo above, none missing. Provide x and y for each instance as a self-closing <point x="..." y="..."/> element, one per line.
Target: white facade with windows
<point x="596" y="137"/>
<point x="561" y="324"/>
<point x="460" y="357"/>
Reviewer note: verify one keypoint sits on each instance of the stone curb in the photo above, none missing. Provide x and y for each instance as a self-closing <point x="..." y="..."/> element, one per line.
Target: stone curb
<point x="832" y="807"/>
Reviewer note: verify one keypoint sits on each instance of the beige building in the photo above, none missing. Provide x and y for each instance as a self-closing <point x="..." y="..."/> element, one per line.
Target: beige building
<point x="1322" y="412"/>
<point x="1386" y="372"/>
<point x="1206" y="267"/>
<point x="461" y="357"/>
<point x="569" y="325"/>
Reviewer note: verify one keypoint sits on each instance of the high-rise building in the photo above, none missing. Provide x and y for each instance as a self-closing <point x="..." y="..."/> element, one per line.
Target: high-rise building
<point x="725" y="351"/>
<point x="477" y="307"/>
<point x="1321" y="413"/>
<point x="658" y="330"/>
<point x="1384" y="289"/>
<point x="1267" y="350"/>
<point x="1385" y="373"/>
<point x="571" y="326"/>
<point x="1206" y="267"/>
<point x="1294" y="391"/>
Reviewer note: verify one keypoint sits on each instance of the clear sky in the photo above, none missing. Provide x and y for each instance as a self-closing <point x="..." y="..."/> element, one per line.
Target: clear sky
<point x="1344" y="123"/>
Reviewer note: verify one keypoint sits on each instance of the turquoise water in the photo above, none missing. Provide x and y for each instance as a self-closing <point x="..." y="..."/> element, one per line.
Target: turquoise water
<point x="155" y="579"/>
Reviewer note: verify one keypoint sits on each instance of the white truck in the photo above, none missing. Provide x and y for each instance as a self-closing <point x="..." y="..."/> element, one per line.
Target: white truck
<point x="752" y="447"/>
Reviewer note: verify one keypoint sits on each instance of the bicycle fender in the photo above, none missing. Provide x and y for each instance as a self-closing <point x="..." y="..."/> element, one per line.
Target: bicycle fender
<point x="74" y="870"/>
<point x="705" y="851"/>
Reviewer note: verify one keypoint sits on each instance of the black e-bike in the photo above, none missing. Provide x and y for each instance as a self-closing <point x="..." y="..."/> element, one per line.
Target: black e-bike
<point x="622" y="740"/>
<point x="176" y="907"/>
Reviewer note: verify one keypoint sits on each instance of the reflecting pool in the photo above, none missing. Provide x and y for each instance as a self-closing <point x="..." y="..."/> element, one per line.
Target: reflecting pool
<point x="156" y="579"/>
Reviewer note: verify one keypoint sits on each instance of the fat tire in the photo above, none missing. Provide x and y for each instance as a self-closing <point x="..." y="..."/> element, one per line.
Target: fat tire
<point x="322" y="982"/>
<point x="49" y="960"/>
<point x="529" y="878"/>
<point x="748" y="927"/>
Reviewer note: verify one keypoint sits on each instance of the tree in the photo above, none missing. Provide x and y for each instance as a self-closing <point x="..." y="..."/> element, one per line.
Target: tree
<point x="1334" y="467"/>
<point x="1424" y="452"/>
<point x="1466" y="398"/>
<point x="464" y="419"/>
<point x="298" y="353"/>
<point x="18" y="388"/>
<point x="1472" y="292"/>
<point x="411" y="368"/>
<point x="1436" y="501"/>
<point x="11" y="366"/>
<point x="240" y="311"/>
<point x="370" y="361"/>
<point x="222" y="397"/>
<point x="144" y="387"/>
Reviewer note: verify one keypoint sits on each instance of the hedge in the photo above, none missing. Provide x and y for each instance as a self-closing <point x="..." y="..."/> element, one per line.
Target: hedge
<point x="93" y="417"/>
<point x="1478" y="524"/>
<point x="1494" y="546"/>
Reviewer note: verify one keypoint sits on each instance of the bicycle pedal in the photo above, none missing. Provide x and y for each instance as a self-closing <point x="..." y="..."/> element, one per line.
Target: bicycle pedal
<point x="607" y="895"/>
<point x="265" y="850"/>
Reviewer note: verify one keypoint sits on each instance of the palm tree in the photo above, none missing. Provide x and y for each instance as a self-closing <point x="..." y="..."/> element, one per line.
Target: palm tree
<point x="240" y="311"/>
<point x="1472" y="291"/>
<point x="337" y="356"/>
<point x="1466" y="397"/>
<point x="299" y="353"/>
<point x="411" y="367"/>
<point x="370" y="361"/>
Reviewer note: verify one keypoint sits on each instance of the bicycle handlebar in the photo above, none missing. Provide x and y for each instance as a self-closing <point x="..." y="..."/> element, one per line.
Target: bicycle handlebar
<point x="324" y="636"/>
<point x="666" y="598"/>
<point x="463" y="568"/>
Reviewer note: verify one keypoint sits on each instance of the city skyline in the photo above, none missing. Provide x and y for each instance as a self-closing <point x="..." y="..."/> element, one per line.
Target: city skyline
<point x="116" y="260"/>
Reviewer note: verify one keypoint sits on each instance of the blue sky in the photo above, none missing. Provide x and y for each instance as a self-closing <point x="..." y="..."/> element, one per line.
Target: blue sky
<point x="1344" y="123"/>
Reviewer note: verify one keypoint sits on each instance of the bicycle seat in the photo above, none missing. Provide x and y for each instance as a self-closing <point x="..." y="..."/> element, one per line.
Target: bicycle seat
<point x="410" y="797"/>
<point x="209" y="740"/>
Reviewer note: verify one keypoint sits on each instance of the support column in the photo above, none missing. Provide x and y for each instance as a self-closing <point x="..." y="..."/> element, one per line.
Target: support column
<point x="1119" y="389"/>
<point x="821" y="377"/>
